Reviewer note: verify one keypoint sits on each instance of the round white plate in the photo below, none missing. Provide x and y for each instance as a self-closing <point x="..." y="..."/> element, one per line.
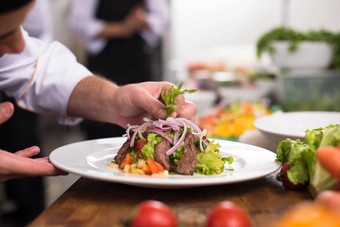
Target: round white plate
<point x="280" y="126"/>
<point x="90" y="158"/>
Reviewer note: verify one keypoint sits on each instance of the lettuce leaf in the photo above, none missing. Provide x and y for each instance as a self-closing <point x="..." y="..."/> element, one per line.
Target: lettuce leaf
<point x="210" y="161"/>
<point x="301" y="156"/>
<point x="148" y="150"/>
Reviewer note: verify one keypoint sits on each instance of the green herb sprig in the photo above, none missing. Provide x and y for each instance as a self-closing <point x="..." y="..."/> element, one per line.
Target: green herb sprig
<point x="169" y="97"/>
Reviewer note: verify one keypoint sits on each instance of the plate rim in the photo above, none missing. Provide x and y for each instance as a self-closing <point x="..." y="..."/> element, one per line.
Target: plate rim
<point x="153" y="182"/>
<point x="257" y="123"/>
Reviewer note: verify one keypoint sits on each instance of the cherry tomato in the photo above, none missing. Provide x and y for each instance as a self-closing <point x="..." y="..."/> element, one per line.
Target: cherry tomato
<point x="227" y="214"/>
<point x="282" y="176"/>
<point x="153" y="213"/>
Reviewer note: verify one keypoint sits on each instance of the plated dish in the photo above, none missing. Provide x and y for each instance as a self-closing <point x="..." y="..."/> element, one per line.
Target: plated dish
<point x="90" y="158"/>
<point x="293" y="125"/>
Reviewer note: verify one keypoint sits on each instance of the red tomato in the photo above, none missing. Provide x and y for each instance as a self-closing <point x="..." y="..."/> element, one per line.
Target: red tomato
<point x="336" y="186"/>
<point x="282" y="176"/>
<point x="227" y="214"/>
<point x="139" y="145"/>
<point x="153" y="213"/>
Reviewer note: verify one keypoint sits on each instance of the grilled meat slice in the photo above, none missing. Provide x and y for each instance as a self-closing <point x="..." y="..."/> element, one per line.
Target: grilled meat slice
<point x="160" y="154"/>
<point x="188" y="161"/>
<point x="122" y="152"/>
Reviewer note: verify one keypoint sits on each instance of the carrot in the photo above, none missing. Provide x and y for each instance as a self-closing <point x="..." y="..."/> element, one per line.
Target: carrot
<point x="154" y="166"/>
<point x="146" y="169"/>
<point x="127" y="160"/>
<point x="329" y="158"/>
<point x="159" y="167"/>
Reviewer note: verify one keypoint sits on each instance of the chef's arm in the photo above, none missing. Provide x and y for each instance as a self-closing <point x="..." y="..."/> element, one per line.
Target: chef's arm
<point x="92" y="99"/>
<point x="98" y="99"/>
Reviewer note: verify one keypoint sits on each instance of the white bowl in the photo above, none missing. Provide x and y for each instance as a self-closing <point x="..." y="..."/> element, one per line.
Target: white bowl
<point x="280" y="126"/>
<point x="309" y="55"/>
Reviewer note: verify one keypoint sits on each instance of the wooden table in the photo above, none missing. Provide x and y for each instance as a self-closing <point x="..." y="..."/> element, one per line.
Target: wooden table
<point x="95" y="203"/>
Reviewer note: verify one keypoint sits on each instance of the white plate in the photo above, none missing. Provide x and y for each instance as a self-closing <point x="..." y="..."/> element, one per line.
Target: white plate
<point x="293" y="125"/>
<point x="90" y="158"/>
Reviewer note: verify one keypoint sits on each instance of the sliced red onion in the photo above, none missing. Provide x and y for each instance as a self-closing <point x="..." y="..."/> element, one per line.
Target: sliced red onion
<point x="133" y="138"/>
<point x="130" y="127"/>
<point x="139" y="131"/>
<point x="192" y="124"/>
<point x="179" y="142"/>
<point x="160" y="126"/>
<point x="176" y="136"/>
<point x="162" y="134"/>
<point x="143" y="128"/>
<point x="204" y="132"/>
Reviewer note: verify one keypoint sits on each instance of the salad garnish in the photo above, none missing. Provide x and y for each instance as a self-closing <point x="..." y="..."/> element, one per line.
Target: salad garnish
<point x="169" y="97"/>
<point x="177" y="145"/>
<point x="301" y="156"/>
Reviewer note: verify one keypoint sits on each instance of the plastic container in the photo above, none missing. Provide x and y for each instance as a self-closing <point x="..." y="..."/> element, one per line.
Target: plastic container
<point x="309" y="90"/>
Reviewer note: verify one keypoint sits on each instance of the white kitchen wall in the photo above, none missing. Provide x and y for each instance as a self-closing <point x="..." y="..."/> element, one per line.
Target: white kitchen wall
<point x="213" y="30"/>
<point x="227" y="30"/>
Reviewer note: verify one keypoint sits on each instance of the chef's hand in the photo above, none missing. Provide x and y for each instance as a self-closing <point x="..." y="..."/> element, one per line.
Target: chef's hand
<point x="133" y="102"/>
<point x="20" y="164"/>
<point x="329" y="158"/>
<point x="6" y="111"/>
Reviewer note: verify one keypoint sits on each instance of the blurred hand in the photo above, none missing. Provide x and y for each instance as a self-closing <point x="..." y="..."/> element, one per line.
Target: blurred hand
<point x="6" y="111"/>
<point x="329" y="158"/>
<point x="133" y="102"/>
<point x="20" y="164"/>
<point x="135" y="21"/>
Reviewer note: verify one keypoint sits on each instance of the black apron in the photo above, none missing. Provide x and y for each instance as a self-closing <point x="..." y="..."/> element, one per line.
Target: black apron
<point x="123" y="60"/>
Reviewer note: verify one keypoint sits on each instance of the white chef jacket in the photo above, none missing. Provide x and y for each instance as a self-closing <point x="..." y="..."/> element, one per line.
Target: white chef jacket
<point x="42" y="78"/>
<point x="87" y="26"/>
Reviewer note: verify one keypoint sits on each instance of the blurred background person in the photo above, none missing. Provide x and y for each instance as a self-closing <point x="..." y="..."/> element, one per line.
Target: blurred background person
<point x="22" y="130"/>
<point x="120" y="37"/>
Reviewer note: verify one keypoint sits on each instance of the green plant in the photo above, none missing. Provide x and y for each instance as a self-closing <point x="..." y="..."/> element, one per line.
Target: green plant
<point x="295" y="37"/>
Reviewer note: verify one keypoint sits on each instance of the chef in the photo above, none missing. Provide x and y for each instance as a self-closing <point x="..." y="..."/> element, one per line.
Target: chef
<point x="119" y="37"/>
<point x="47" y="79"/>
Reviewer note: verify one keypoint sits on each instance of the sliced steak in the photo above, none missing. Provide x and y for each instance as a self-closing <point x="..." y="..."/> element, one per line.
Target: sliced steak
<point x="188" y="161"/>
<point x="160" y="154"/>
<point x="122" y="152"/>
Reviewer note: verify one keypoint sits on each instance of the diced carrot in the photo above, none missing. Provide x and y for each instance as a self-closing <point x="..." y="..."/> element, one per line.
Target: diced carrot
<point x="127" y="160"/>
<point x="159" y="167"/>
<point x="146" y="169"/>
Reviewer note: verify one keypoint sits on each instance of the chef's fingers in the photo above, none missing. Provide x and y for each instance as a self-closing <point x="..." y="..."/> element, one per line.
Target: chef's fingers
<point x="329" y="158"/>
<point x="28" y="152"/>
<point x="180" y="100"/>
<point x="330" y="199"/>
<point x="153" y="106"/>
<point x="188" y="110"/>
<point x="6" y="111"/>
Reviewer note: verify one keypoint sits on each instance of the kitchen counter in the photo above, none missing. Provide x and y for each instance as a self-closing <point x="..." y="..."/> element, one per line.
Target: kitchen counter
<point x="97" y="203"/>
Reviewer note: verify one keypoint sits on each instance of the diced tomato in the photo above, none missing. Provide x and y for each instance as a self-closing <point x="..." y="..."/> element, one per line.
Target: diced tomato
<point x="139" y="145"/>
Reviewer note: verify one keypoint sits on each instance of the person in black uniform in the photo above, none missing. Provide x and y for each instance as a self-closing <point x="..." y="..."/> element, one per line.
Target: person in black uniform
<point x="126" y="31"/>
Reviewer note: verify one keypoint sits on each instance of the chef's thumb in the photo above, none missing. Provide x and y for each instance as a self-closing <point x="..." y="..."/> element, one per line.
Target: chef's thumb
<point x="153" y="106"/>
<point x="6" y="111"/>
